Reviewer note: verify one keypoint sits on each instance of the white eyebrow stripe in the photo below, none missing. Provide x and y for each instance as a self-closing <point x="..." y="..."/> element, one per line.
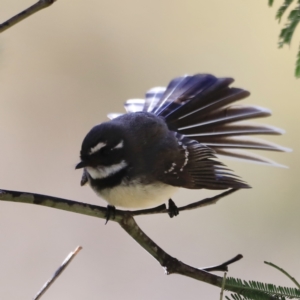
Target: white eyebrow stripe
<point x="119" y="146"/>
<point x="97" y="147"/>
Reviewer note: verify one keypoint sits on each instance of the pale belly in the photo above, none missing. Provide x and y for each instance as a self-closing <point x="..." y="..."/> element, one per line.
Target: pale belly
<point x="138" y="195"/>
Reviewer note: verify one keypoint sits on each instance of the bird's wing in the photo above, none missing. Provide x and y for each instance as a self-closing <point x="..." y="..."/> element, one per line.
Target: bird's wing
<point x="195" y="167"/>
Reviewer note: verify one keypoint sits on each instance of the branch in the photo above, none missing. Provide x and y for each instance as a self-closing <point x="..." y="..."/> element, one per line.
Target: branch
<point x="126" y="221"/>
<point x="224" y="266"/>
<point x="95" y="210"/>
<point x="41" y="4"/>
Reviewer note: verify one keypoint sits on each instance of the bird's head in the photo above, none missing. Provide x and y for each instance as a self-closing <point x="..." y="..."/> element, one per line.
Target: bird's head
<point x="102" y="152"/>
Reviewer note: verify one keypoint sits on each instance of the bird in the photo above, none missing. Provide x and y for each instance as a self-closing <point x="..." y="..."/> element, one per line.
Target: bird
<point x="173" y="139"/>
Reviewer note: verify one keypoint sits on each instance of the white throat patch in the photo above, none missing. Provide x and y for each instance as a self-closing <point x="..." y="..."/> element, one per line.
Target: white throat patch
<point x="106" y="171"/>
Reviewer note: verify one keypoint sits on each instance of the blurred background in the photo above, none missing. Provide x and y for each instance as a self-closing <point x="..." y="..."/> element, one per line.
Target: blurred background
<point x="63" y="69"/>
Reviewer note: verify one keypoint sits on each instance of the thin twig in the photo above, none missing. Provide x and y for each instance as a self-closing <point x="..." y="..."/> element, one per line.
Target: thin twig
<point x="284" y="272"/>
<point x="41" y="4"/>
<point x="224" y="266"/>
<point x="223" y="286"/>
<point x="62" y="267"/>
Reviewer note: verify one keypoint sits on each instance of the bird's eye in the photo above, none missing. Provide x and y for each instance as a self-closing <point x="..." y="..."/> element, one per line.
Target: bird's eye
<point x="105" y="151"/>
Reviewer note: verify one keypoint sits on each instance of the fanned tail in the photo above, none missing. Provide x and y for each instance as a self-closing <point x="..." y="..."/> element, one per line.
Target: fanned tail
<point x="201" y="108"/>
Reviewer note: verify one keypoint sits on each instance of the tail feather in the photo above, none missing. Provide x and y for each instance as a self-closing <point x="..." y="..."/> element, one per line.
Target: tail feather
<point x="134" y="105"/>
<point x="239" y="143"/>
<point x="246" y="156"/>
<point x="230" y="130"/>
<point x="207" y="102"/>
<point x="152" y="98"/>
<point x="112" y="116"/>
<point x="182" y="89"/>
<point x="224" y="115"/>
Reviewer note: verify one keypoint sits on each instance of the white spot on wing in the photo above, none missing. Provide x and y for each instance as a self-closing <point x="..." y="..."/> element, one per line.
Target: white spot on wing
<point x="97" y="147"/>
<point x="172" y="168"/>
<point x="186" y="155"/>
<point x="105" y="171"/>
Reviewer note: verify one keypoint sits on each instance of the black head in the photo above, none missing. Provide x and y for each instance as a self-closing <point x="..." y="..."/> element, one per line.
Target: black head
<point x="102" y="150"/>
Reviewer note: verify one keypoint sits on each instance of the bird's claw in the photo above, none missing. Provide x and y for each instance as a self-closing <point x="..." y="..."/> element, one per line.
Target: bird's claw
<point x="173" y="209"/>
<point x="110" y="213"/>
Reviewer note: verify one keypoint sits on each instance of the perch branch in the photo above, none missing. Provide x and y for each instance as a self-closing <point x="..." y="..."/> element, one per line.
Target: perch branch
<point x="127" y="222"/>
<point x="61" y="268"/>
<point x="41" y="4"/>
<point x="95" y="210"/>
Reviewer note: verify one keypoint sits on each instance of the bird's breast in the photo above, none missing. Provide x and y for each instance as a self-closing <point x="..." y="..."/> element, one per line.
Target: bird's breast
<point x="135" y="194"/>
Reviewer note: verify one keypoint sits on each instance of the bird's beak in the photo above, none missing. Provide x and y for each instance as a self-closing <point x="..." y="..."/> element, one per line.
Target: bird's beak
<point x="80" y="165"/>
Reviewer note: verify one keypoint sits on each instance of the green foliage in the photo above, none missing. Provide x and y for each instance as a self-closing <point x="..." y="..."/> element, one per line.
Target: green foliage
<point x="259" y="290"/>
<point x="239" y="297"/>
<point x="287" y="32"/>
<point x="282" y="9"/>
<point x="297" y="70"/>
<point x="262" y="291"/>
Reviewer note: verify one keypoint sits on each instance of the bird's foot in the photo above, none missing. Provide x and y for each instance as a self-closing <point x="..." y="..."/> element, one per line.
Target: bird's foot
<point x="110" y="213"/>
<point x="173" y="209"/>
